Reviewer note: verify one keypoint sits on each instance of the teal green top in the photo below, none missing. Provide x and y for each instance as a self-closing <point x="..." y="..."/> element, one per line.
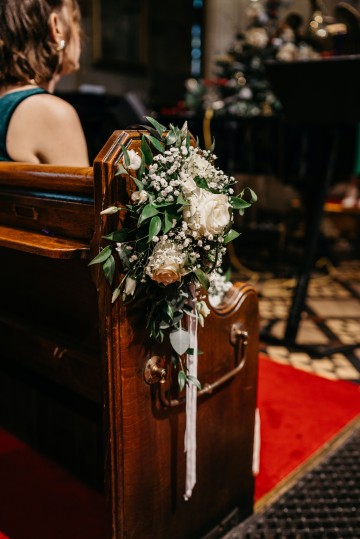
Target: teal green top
<point x="8" y="104"/>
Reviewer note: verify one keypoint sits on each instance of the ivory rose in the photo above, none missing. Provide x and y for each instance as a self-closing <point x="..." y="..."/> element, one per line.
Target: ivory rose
<point x="208" y="213"/>
<point x="166" y="274"/>
<point x="166" y="264"/>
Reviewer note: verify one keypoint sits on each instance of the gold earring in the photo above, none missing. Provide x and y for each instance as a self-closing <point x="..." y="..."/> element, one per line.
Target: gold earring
<point x="61" y="45"/>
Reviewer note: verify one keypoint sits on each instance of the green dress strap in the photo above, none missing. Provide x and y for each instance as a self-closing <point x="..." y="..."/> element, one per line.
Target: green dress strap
<point x="8" y="104"/>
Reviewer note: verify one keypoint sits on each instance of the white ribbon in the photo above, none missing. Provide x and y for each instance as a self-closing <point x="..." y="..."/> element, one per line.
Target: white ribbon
<point x="191" y="406"/>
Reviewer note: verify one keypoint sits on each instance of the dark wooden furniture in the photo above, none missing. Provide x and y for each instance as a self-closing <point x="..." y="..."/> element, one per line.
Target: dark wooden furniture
<point x="303" y="88"/>
<point x="57" y="325"/>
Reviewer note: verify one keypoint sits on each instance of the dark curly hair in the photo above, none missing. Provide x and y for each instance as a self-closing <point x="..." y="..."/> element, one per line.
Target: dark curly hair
<point x="26" y="50"/>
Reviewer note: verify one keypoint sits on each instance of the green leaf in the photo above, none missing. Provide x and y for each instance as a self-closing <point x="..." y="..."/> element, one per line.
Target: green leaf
<point x="109" y="268"/>
<point x="159" y="127"/>
<point x="124" y="257"/>
<point x="180" y="340"/>
<point x="181" y="380"/>
<point x="201" y="182"/>
<point x="148" y="211"/>
<point x="228" y="274"/>
<point x="146" y="152"/>
<point x="121" y="170"/>
<point x="126" y="155"/>
<point x="117" y="235"/>
<point x="181" y="200"/>
<point x="202" y="278"/>
<point x="102" y="256"/>
<point x="168" y="222"/>
<point x="253" y="195"/>
<point x="168" y="311"/>
<point x="231" y="235"/>
<point x="156" y="143"/>
<point x="194" y="381"/>
<point x="238" y="203"/>
<point x="154" y="227"/>
<point x="139" y="184"/>
<point x="141" y="170"/>
<point x="212" y="147"/>
<point x="110" y="210"/>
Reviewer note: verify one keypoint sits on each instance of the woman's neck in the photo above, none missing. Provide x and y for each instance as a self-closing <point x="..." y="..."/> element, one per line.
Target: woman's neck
<point x="49" y="86"/>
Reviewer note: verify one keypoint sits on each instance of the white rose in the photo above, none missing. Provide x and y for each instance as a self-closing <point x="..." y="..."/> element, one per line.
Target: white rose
<point x="135" y="160"/>
<point x="209" y="213"/>
<point x="139" y="196"/>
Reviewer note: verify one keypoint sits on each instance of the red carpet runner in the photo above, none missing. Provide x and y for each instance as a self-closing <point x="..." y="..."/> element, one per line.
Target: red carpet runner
<point x="299" y="413"/>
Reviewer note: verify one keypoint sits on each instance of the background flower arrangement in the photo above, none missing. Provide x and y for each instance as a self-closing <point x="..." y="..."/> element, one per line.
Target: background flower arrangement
<point x="180" y="220"/>
<point x="240" y="86"/>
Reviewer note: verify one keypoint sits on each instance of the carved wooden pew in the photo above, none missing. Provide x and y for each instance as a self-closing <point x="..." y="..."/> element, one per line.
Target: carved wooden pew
<point x="57" y="323"/>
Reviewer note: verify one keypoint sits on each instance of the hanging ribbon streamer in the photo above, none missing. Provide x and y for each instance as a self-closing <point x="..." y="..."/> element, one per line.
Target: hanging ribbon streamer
<point x="191" y="405"/>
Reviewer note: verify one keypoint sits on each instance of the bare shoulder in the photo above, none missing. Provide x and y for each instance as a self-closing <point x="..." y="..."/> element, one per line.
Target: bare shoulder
<point x="48" y="129"/>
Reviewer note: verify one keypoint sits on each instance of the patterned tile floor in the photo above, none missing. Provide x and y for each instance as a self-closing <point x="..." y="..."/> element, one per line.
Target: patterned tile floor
<point x="334" y="303"/>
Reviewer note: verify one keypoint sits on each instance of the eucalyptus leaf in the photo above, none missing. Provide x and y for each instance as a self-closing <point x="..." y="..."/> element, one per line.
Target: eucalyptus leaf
<point x="181" y="380"/>
<point x="126" y="155"/>
<point x="231" y="235"/>
<point x="180" y="340"/>
<point x="102" y="256"/>
<point x="148" y="211"/>
<point x="124" y="257"/>
<point x="253" y="195"/>
<point x="180" y="199"/>
<point x="146" y="152"/>
<point x="238" y="203"/>
<point x="156" y="143"/>
<point x="168" y="222"/>
<point x="139" y="184"/>
<point x="202" y="278"/>
<point x="154" y="227"/>
<point x="117" y="235"/>
<point x="141" y="170"/>
<point x="109" y="269"/>
<point x="120" y="169"/>
<point x="159" y="127"/>
<point x="201" y="182"/>
<point x="194" y="381"/>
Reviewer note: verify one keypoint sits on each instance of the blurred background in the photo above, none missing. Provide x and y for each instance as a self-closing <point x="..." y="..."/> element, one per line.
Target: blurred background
<point x="272" y="81"/>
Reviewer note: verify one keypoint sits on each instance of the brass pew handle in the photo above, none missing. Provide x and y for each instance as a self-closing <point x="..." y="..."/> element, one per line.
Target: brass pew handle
<point x="155" y="371"/>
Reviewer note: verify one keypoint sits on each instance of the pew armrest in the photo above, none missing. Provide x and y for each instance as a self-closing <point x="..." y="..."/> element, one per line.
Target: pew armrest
<point x="40" y="244"/>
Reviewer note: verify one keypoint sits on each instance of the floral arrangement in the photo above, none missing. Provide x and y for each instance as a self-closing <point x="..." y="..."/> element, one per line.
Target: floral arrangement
<point x="180" y="220"/>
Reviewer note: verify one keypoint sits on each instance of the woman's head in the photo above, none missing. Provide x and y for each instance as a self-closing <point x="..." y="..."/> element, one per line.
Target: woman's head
<point x="39" y="39"/>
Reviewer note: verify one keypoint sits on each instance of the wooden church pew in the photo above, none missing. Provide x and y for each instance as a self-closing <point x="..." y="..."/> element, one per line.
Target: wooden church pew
<point x="59" y="330"/>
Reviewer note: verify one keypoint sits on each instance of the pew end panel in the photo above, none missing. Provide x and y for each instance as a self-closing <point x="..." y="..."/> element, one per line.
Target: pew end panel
<point x="146" y="461"/>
